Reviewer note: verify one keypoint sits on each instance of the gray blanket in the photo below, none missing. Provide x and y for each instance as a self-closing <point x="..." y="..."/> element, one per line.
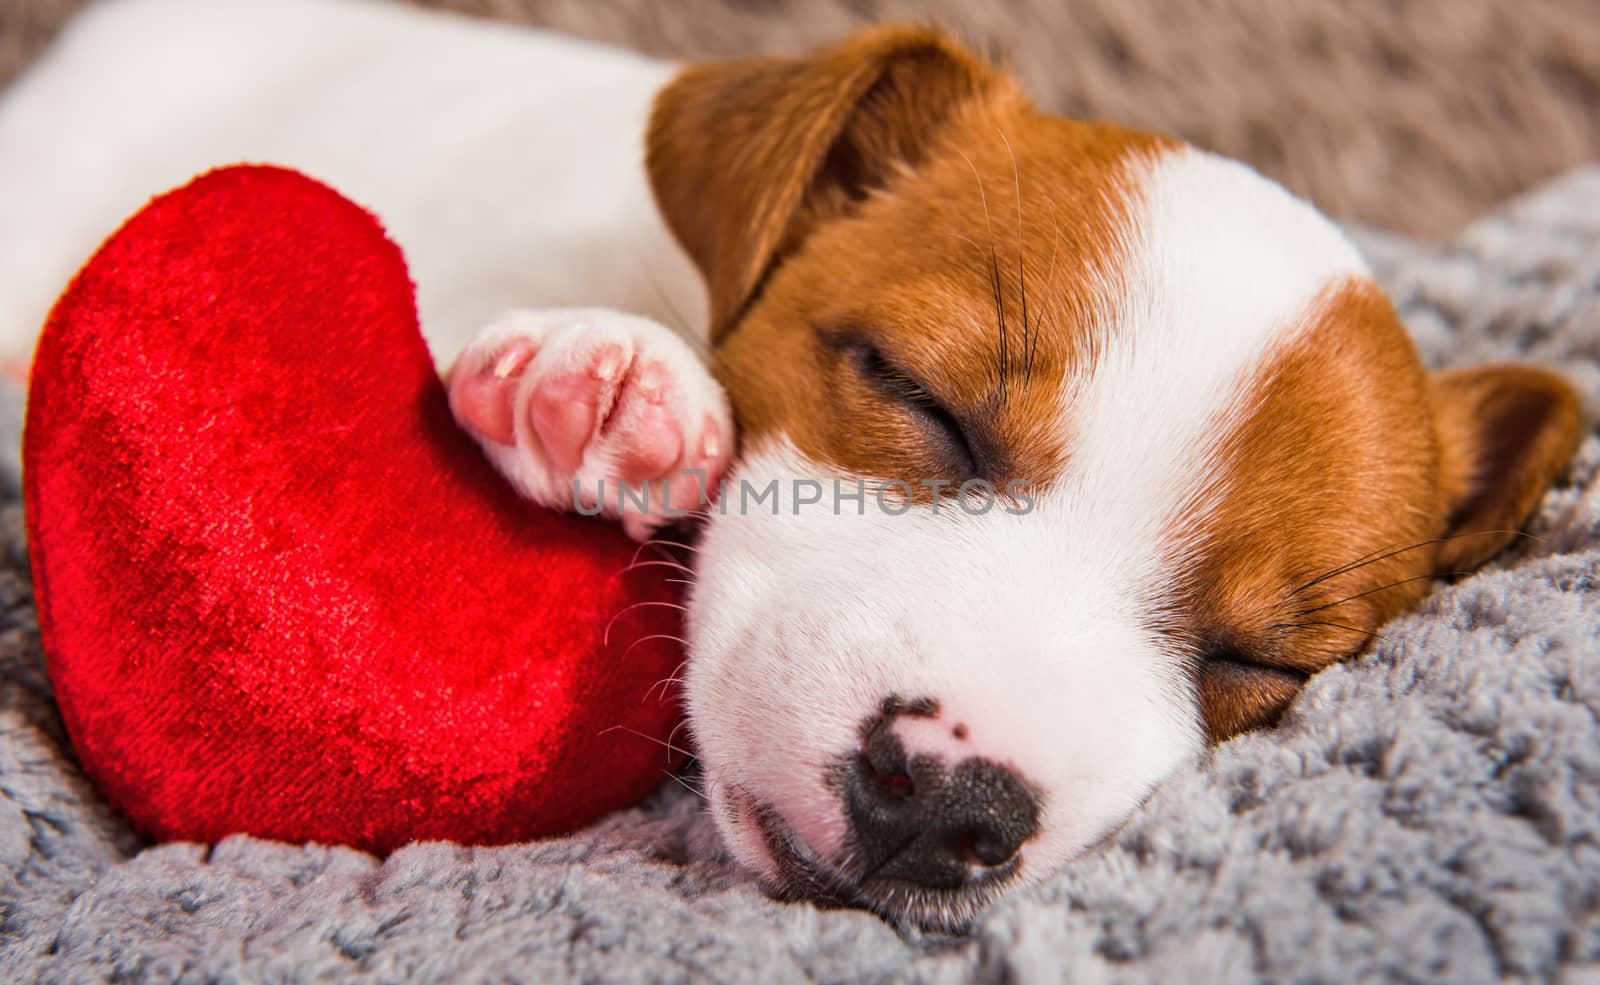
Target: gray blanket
<point x="1430" y="812"/>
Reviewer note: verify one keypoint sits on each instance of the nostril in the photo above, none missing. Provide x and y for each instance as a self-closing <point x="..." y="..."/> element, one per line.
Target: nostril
<point x="999" y="811"/>
<point x="883" y="760"/>
<point x="898" y="784"/>
<point x="965" y="847"/>
<point x="981" y="848"/>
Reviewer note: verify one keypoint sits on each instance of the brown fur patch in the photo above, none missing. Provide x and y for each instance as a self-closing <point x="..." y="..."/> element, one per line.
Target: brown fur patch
<point x="1335" y="462"/>
<point x="893" y="218"/>
<point x="1353" y="483"/>
<point x="984" y="306"/>
<point x="745" y="157"/>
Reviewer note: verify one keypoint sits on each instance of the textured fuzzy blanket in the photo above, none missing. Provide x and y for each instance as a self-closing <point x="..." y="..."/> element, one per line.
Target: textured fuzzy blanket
<point x="1430" y="812"/>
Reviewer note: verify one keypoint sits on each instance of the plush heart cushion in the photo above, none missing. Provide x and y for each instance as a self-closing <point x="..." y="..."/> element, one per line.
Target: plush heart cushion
<point x="278" y="590"/>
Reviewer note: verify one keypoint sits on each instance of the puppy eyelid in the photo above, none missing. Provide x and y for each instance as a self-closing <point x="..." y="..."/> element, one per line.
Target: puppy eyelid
<point x="1222" y="652"/>
<point x="901" y="385"/>
<point x="871" y="362"/>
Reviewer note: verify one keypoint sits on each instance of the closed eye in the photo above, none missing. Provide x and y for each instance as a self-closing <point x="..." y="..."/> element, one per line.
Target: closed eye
<point x="934" y="420"/>
<point x="1238" y="693"/>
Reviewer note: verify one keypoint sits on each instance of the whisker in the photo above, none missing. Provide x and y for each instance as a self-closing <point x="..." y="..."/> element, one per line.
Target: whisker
<point x="1000" y="319"/>
<point x="671" y="678"/>
<point x="694" y="337"/>
<point x="646" y="639"/>
<point x="660" y="563"/>
<point x="654" y="563"/>
<point x="1045" y="320"/>
<point x="1384" y="554"/>
<point x="994" y="275"/>
<point x="1334" y="625"/>
<point x="1373" y="557"/>
<point x="685" y="784"/>
<point x="1049" y="279"/>
<point x="675" y="730"/>
<point x="659" y="543"/>
<point x="647" y="738"/>
<point x="1022" y="281"/>
<point x="664" y="684"/>
<point x="1381" y="588"/>
<point x="975" y="244"/>
<point x="606" y="637"/>
<point x="1055" y="242"/>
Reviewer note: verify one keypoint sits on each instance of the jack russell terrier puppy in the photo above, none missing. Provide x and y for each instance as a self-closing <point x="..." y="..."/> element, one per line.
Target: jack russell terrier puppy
<point x="1073" y="448"/>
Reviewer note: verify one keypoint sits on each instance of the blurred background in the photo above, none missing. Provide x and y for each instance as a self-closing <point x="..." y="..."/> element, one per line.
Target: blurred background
<point x="1411" y="115"/>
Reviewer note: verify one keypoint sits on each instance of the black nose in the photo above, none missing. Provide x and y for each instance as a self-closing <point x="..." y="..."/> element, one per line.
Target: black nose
<point x="915" y="820"/>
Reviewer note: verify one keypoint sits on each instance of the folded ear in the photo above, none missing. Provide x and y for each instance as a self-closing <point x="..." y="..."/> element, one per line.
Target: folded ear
<point x="1505" y="433"/>
<point x="745" y="157"/>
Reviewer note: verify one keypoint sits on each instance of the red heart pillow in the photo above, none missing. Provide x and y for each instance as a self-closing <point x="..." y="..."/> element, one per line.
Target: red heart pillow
<point x="278" y="590"/>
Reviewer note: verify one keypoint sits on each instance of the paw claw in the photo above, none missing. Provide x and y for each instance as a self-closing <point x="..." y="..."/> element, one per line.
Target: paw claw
<point x="653" y="383"/>
<point x="595" y="399"/>
<point x="482" y="397"/>
<point x="512" y="361"/>
<point x="610" y="363"/>
<point x="710" y="439"/>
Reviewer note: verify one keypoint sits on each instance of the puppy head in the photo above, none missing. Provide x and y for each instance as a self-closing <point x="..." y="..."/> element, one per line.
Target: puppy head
<point x="1064" y="450"/>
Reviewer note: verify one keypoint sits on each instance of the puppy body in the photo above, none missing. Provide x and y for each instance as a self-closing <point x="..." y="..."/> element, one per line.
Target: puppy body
<point x="1220" y="465"/>
<point x="507" y="165"/>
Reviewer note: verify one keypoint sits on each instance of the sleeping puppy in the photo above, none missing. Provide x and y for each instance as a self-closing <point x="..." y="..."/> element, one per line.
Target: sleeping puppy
<point x="1234" y="467"/>
<point x="1062" y="449"/>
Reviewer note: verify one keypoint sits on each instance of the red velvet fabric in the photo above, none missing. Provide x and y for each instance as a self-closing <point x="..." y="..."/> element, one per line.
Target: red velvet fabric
<point x="279" y="592"/>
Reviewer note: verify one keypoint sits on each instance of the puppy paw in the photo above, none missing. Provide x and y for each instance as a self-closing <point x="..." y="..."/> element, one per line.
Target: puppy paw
<point x="595" y="409"/>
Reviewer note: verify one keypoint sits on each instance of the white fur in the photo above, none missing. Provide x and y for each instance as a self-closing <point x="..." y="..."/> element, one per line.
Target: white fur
<point x="1220" y="266"/>
<point x="507" y="163"/>
<point x="1037" y="632"/>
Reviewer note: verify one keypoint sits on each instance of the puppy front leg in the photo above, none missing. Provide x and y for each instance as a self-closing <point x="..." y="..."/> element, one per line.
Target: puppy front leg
<point x="591" y="408"/>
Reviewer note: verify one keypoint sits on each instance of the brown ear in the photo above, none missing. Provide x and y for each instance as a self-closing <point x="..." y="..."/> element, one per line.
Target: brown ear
<point x="1505" y="434"/>
<point x="747" y="156"/>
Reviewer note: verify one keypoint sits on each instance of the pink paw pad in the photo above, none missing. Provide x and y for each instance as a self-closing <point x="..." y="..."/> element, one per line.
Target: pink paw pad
<point x="566" y="411"/>
<point x="482" y="399"/>
<point x="646" y="434"/>
<point x="696" y="488"/>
